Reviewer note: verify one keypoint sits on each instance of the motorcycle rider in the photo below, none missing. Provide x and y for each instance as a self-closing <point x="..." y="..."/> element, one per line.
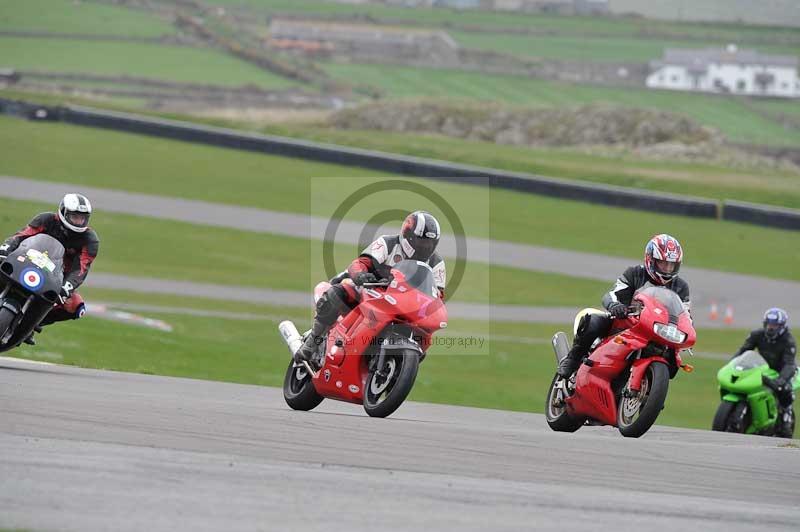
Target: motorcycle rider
<point x="778" y="347"/>
<point x="417" y="240"/>
<point x="662" y="261"/>
<point x="70" y="226"/>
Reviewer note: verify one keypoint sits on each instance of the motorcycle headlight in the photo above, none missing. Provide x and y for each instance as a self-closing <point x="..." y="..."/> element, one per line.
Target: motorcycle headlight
<point x="670" y="332"/>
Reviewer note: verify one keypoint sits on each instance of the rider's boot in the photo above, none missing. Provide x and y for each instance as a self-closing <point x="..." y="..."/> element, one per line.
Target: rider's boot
<point x="330" y="306"/>
<point x="312" y="341"/>
<point x="589" y="329"/>
<point x="784" y="428"/>
<point x="570" y="363"/>
<point x="30" y="340"/>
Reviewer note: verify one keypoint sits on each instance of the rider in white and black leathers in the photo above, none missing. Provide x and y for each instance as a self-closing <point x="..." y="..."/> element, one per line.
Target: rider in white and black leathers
<point x="662" y="260"/>
<point x="778" y="347"/>
<point x="417" y="240"/>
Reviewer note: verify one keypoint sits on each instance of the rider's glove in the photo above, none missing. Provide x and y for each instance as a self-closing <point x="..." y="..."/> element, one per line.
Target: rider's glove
<point x="66" y="290"/>
<point x="618" y="310"/>
<point x="3" y="251"/>
<point x="773" y="384"/>
<point x="364" y="277"/>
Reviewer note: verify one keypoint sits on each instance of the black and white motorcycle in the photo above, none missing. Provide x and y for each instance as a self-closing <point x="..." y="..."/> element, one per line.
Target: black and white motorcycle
<point x="30" y="282"/>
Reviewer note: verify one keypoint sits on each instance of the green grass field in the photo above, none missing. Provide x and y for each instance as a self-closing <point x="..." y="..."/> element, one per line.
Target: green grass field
<point x="511" y="375"/>
<point x="169" y="63"/>
<point x="80" y="18"/>
<point x="144" y="164"/>
<point x="498" y="21"/>
<point x="558" y="37"/>
<point x="187" y="252"/>
<point x="731" y="116"/>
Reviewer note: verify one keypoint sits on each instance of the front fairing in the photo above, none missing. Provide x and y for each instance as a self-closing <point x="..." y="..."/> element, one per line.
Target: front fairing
<point x="36" y="266"/>
<point x="742" y="382"/>
<point x="743" y="374"/>
<point x="403" y="304"/>
<point x="654" y="311"/>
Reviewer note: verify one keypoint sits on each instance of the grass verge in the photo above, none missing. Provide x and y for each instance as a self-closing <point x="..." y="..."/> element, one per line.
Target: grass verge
<point x="146" y="164"/>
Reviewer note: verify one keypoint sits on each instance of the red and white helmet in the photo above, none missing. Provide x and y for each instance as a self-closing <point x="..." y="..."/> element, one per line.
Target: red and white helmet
<point x="419" y="235"/>
<point x="662" y="258"/>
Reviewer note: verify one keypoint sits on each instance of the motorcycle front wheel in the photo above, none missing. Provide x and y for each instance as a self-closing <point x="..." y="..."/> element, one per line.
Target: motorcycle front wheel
<point x="6" y="318"/>
<point x="721" y="421"/>
<point x="635" y="415"/>
<point x="384" y="392"/>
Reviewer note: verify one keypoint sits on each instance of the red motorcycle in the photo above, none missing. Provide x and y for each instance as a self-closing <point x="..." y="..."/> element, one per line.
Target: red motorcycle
<point x="624" y="380"/>
<point x="371" y="355"/>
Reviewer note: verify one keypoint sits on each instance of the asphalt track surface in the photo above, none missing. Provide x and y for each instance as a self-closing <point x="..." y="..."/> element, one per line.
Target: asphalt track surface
<point x="748" y="295"/>
<point x="87" y="450"/>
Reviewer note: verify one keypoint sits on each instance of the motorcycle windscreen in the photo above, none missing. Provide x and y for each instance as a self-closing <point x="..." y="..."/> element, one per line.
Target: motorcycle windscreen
<point x="44" y="251"/>
<point x="748" y="360"/>
<point x="671" y="301"/>
<point x="418" y="275"/>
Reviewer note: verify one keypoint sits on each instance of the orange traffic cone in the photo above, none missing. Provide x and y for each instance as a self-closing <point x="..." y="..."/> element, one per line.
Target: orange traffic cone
<point x="714" y="314"/>
<point x="728" y="315"/>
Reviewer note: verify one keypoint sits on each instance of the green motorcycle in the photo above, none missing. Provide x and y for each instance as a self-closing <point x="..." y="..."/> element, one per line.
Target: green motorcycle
<point x="748" y="404"/>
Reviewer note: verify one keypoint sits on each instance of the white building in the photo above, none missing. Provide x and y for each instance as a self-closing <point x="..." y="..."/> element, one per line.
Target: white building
<point x="728" y="70"/>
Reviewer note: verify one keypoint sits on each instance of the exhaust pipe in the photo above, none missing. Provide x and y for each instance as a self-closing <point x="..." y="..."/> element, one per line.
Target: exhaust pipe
<point x="294" y="341"/>
<point x="290" y="336"/>
<point x="560" y="346"/>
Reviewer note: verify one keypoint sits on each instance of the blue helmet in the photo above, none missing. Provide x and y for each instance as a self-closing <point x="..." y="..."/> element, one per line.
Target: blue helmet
<point x="775" y="323"/>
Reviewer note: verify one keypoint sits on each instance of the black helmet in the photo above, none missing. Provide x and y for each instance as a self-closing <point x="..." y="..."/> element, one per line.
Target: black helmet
<point x="775" y="323"/>
<point x="74" y="212"/>
<point x="420" y="235"/>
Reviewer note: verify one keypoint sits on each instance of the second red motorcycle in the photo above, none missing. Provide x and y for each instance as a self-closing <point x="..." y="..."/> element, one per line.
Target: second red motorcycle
<point x="625" y="379"/>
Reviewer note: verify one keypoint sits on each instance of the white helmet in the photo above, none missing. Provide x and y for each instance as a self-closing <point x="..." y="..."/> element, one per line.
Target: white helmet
<point x="74" y="212"/>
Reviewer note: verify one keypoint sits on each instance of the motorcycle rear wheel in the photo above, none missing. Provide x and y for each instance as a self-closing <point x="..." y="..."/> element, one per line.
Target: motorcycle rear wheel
<point x="298" y="389"/>
<point x="557" y="417"/>
<point x="647" y="405"/>
<point x="384" y="394"/>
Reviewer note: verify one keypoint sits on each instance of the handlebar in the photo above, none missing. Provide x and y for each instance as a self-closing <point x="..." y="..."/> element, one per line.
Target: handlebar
<point x="633" y="311"/>
<point x="382" y="282"/>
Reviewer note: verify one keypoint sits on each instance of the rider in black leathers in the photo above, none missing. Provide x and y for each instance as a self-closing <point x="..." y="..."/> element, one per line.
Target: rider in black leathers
<point x="778" y="347"/>
<point x="662" y="260"/>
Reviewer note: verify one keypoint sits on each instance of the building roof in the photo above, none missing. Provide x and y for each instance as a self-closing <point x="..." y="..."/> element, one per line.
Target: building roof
<point x="699" y="59"/>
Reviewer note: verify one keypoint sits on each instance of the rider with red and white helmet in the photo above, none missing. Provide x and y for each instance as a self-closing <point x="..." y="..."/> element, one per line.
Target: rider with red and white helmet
<point x="663" y="255"/>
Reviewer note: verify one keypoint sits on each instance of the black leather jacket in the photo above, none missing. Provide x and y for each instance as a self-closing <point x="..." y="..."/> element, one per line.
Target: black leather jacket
<point x="637" y="277"/>
<point x="779" y="354"/>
